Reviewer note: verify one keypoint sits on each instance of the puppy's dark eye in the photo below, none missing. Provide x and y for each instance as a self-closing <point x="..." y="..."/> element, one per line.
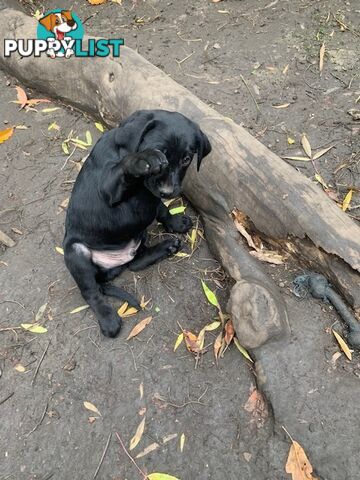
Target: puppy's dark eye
<point x="186" y="161"/>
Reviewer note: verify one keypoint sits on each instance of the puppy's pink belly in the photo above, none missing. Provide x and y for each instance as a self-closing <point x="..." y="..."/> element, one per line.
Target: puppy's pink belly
<point x="115" y="258"/>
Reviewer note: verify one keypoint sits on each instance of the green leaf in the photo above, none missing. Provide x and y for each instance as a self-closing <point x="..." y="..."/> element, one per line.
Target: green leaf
<point x="79" y="142"/>
<point x="65" y="148"/>
<point x="40" y="313"/>
<point x="211" y="297"/>
<point x="88" y="137"/>
<point x="33" y="328"/>
<point x="176" y="210"/>
<point x="99" y="126"/>
<point x="242" y="350"/>
<point x="53" y="126"/>
<point x="179" y="340"/>
<point x="161" y="476"/>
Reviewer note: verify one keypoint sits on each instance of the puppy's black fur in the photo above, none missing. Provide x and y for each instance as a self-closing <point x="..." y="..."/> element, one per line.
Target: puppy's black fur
<point x="117" y="195"/>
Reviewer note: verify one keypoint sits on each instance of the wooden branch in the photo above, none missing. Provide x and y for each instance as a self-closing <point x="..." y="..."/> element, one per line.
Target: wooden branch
<point x="282" y="204"/>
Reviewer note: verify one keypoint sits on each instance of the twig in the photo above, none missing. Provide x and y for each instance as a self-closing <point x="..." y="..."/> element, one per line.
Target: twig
<point x="6" y="398"/>
<point x="13" y="301"/>
<point x="40" y="362"/>
<point x="252" y="96"/>
<point x="133" y="356"/>
<point x="102" y="456"/>
<point x="40" y="421"/>
<point x="131" y="458"/>
<point x="68" y="158"/>
<point x="179" y="62"/>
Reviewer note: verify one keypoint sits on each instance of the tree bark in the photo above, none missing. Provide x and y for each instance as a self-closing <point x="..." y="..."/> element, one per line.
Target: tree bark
<point x="283" y="205"/>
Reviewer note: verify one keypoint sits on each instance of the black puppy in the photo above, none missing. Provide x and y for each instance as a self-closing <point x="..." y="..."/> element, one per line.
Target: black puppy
<point x="117" y="195"/>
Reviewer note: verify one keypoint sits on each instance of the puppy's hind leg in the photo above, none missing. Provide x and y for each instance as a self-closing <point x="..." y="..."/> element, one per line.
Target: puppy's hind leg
<point x="84" y="273"/>
<point x="103" y="276"/>
<point x="149" y="255"/>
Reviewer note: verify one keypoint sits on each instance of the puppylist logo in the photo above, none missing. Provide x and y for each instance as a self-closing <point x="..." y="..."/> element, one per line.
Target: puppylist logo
<point x="60" y="34"/>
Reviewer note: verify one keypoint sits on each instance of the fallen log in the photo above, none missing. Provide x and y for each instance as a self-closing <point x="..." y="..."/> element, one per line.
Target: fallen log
<point x="283" y="206"/>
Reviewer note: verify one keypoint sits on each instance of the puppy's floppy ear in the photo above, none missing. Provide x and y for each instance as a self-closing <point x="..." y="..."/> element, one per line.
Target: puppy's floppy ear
<point x="131" y="132"/>
<point x="67" y="14"/>
<point x="203" y="147"/>
<point x="48" y="22"/>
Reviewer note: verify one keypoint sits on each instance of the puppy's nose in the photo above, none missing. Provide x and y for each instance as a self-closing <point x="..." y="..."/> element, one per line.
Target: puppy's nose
<point x="71" y="23"/>
<point x="166" y="193"/>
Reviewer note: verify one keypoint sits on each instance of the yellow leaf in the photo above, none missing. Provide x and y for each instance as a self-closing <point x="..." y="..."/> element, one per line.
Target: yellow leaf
<point x="144" y="302"/>
<point x="37" y="15"/>
<point x="40" y="313"/>
<point x="347" y="201"/>
<point x="321" y="57"/>
<point x="161" y="476"/>
<point x="130" y="311"/>
<point x="139" y="327"/>
<point x="123" y="308"/>
<point x="176" y="210"/>
<point x="88" y="137"/>
<point x="218" y="344"/>
<point x="321" y="152"/>
<point x="138" y="434"/>
<point x="53" y="126"/>
<point x="59" y="250"/>
<point x="90" y="406"/>
<point x="147" y="450"/>
<point x="33" y="328"/>
<point x="141" y="389"/>
<point x="212" y="326"/>
<point x="210" y="295"/>
<point x="319" y="179"/>
<point x="193" y="238"/>
<point x="65" y="148"/>
<point x="6" y="134"/>
<point x="284" y="105"/>
<point x="20" y="368"/>
<point x="299" y="159"/>
<point x="242" y="350"/>
<point x="79" y="309"/>
<point x="290" y="141"/>
<point x="99" y="126"/>
<point x="21" y="127"/>
<point x="306" y="145"/>
<point x="49" y="110"/>
<point x="182" y="442"/>
<point x="298" y="464"/>
<point x="96" y="2"/>
<point x="182" y="255"/>
<point x="179" y="339"/>
<point x="343" y="344"/>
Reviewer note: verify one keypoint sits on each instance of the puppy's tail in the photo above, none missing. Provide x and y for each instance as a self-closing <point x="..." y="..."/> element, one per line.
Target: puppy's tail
<point x="116" y="292"/>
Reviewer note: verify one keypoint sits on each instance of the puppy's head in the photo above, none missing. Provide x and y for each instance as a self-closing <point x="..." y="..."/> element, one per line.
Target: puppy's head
<point x="178" y="138"/>
<point x="59" y="23"/>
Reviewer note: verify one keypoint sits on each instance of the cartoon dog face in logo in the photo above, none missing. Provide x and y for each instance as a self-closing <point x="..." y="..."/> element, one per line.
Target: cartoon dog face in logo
<point x="59" y="24"/>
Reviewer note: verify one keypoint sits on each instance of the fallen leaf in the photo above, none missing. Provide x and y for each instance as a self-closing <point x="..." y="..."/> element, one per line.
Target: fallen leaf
<point x="191" y="341"/>
<point x="49" y="110"/>
<point x="141" y="389"/>
<point x="36" y="101"/>
<point x="182" y="442"/>
<point x="88" y="137"/>
<point x="343" y="345"/>
<point x="210" y="295"/>
<point x="179" y="340"/>
<point x="40" y="313"/>
<point x="53" y="126"/>
<point x="6" y="240"/>
<point x="22" y="98"/>
<point x="92" y="419"/>
<point x="217" y="345"/>
<point x="176" y="210"/>
<point x="298" y="159"/>
<point x="170" y="437"/>
<point x="96" y="2"/>
<point x="21" y="127"/>
<point x="33" y="328"/>
<point x="216" y="1"/>
<point x="90" y="406"/>
<point x="139" y="327"/>
<point x="229" y="332"/>
<point x="347" y="201"/>
<point x="321" y="152"/>
<point x="65" y="148"/>
<point x="193" y="238"/>
<point x="182" y="255"/>
<point x="17" y="231"/>
<point x="321" y="57"/>
<point x="99" y="126"/>
<point x="298" y="464"/>
<point x="354" y="113"/>
<point x="59" y="250"/>
<point x="242" y="350"/>
<point x="257" y="406"/>
<point x="306" y="145"/>
<point x="126" y="311"/>
<point x="147" y="450"/>
<point x="79" y="309"/>
<point x="65" y="203"/>
<point x="319" y="179"/>
<point x="290" y="141"/>
<point x="165" y="476"/>
<point x="144" y="303"/>
<point x="20" y="368"/>
<point x="138" y="434"/>
<point x="284" y="105"/>
<point x="6" y="134"/>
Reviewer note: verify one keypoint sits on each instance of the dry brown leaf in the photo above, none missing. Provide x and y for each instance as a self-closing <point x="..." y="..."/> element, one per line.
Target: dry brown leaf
<point x="229" y="332"/>
<point x="22" y="98"/>
<point x="306" y="145"/>
<point x="191" y="341"/>
<point x="321" y="57"/>
<point x="298" y="464"/>
<point x="284" y="105"/>
<point x="138" y="434"/>
<point x="217" y="345"/>
<point x="6" y="134"/>
<point x="321" y="152"/>
<point x="257" y="406"/>
<point x="147" y="450"/>
<point x="139" y="327"/>
<point x="92" y="419"/>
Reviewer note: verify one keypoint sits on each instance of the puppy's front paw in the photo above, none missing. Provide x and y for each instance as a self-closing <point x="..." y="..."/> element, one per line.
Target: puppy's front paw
<point x="147" y="163"/>
<point x="111" y="326"/>
<point x="172" y="246"/>
<point x="179" y="224"/>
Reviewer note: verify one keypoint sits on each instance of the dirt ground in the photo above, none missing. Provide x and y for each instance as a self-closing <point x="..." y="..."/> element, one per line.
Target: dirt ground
<point x="244" y="58"/>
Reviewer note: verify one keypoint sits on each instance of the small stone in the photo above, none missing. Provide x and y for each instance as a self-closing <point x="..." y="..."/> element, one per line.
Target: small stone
<point x="281" y="284"/>
<point x="216" y="45"/>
